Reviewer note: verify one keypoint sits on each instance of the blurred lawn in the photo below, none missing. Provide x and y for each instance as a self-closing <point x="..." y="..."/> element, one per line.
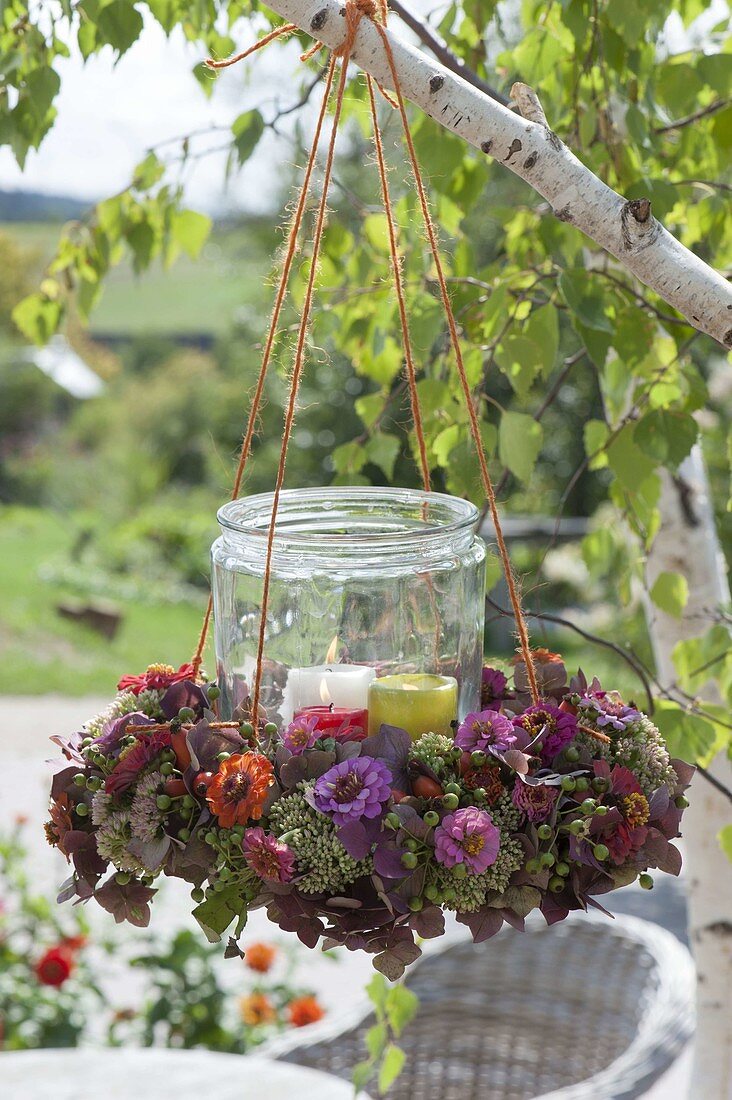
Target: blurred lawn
<point x="41" y="652"/>
<point x="227" y="283"/>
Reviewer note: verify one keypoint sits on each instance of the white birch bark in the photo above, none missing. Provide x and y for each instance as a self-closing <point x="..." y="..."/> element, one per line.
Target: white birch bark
<point x="687" y="543"/>
<point x="529" y="148"/>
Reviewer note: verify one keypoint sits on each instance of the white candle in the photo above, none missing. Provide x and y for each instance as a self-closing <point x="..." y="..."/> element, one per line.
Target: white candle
<point x="342" y="685"/>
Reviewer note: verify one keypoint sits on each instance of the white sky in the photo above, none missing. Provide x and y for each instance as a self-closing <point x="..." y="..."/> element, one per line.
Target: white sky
<point x="109" y="115"/>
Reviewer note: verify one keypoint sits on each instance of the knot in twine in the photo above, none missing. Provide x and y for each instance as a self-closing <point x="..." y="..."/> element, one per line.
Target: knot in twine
<point x="353" y="12"/>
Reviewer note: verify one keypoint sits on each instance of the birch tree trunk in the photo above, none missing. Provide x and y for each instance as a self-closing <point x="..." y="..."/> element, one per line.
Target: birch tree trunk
<point x="687" y="543"/>
<point x="527" y="146"/>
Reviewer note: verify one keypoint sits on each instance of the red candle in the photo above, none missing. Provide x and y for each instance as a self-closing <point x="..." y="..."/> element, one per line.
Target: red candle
<point x="343" y="723"/>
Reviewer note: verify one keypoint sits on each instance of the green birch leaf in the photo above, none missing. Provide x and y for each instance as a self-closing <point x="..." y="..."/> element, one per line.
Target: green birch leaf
<point x="247" y="129"/>
<point x="724" y="836"/>
<point x="670" y="592"/>
<point x="391" y="1066"/>
<point x="687" y="735"/>
<point x="121" y="24"/>
<point x="519" y="443"/>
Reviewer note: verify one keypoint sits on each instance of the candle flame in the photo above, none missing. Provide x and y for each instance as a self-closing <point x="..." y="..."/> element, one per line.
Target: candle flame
<point x="332" y="652"/>
<point x="324" y="693"/>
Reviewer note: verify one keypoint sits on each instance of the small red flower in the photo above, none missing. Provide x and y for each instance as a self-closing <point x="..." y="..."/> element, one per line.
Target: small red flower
<point x="156" y="678"/>
<point x="260" y="956"/>
<point x="55" y="965"/>
<point x="304" y="1010"/>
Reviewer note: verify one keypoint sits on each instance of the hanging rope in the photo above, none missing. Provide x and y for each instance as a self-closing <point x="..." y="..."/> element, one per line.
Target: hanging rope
<point x="522" y="629"/>
<point x="290" y="252"/>
<point x="353" y="12"/>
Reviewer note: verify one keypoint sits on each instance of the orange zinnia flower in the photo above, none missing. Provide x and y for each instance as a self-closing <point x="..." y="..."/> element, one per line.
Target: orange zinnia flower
<point x="257" y="1009"/>
<point x="260" y="956"/>
<point x="304" y="1010"/>
<point x="238" y="790"/>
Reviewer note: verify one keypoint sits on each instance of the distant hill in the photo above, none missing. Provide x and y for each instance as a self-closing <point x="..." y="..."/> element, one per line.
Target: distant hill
<point x="32" y="206"/>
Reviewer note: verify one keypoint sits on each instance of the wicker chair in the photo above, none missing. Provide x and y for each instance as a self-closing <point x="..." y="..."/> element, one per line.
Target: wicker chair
<point x="586" y="1009"/>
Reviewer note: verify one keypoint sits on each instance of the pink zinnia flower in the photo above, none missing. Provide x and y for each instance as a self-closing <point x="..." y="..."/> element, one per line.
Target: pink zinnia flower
<point x="556" y="727"/>
<point x="537" y="802"/>
<point x="301" y="734"/>
<point x="486" y="731"/>
<point x="267" y="856"/>
<point x="468" y="836"/>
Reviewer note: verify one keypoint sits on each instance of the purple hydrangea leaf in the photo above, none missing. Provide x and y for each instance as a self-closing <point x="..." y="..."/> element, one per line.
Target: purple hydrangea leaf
<point x="67" y="890"/>
<point x="659" y="802"/>
<point x="311" y="765"/>
<point x="429" y="923"/>
<point x="658" y="852"/>
<point x="274" y="793"/>
<point x="394" y="961"/>
<point x="355" y="839"/>
<point x="151" y="853"/>
<point x="392" y="745"/>
<point x="191" y="863"/>
<point x="69" y="746"/>
<point x="553" y="910"/>
<point x="578" y="684"/>
<point x="110" y="740"/>
<point x="596" y="905"/>
<point x="82" y="847"/>
<point x="522" y="900"/>
<point x="126" y="903"/>
<point x="685" y="774"/>
<point x="412" y="822"/>
<point x="63" y="782"/>
<point x="388" y="861"/>
<point x="232" y="949"/>
<point x="517" y="922"/>
<point x="205" y="744"/>
<point x="183" y="694"/>
<point x="483" y="924"/>
<point x="347" y="750"/>
<point x="343" y="903"/>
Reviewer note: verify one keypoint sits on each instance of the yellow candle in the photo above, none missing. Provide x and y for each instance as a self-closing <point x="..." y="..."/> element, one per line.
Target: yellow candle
<point x="416" y="702"/>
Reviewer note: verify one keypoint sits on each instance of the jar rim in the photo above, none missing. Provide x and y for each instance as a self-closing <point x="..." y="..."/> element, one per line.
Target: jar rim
<point x="446" y="516"/>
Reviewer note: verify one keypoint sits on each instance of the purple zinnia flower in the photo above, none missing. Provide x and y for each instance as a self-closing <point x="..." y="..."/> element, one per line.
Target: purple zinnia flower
<point x="468" y="836"/>
<point x="537" y="802"/>
<point x="610" y="710"/>
<point x="493" y="686"/>
<point x="301" y="734"/>
<point x="352" y="790"/>
<point x="267" y="856"/>
<point x="487" y="730"/>
<point x="554" y="727"/>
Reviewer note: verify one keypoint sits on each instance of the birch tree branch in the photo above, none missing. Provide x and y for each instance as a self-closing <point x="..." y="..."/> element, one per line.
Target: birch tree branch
<point x="627" y="230"/>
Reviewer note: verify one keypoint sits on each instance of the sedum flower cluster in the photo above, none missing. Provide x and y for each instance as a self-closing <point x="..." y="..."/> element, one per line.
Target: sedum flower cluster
<point x="468" y="894"/>
<point x="321" y="859"/>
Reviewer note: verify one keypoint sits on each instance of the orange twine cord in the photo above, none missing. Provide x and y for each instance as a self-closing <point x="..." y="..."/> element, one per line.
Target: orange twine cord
<point x="300" y="353"/>
<point x="354" y="11"/>
<point x="290" y="253"/>
<point x="511" y="581"/>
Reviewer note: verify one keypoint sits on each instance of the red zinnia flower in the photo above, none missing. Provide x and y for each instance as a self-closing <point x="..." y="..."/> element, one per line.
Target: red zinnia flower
<point x="60" y="823"/>
<point x="55" y="966"/>
<point x="156" y="678"/>
<point x="239" y="789"/>
<point x="304" y="1010"/>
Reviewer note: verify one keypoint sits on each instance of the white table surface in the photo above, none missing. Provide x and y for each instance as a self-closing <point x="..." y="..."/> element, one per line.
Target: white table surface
<point x="151" y="1074"/>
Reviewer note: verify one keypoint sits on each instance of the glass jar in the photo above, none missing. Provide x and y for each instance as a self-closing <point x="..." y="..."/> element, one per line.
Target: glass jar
<point x="367" y="583"/>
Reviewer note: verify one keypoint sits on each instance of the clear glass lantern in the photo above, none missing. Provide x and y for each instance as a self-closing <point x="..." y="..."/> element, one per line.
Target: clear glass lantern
<point x="376" y="606"/>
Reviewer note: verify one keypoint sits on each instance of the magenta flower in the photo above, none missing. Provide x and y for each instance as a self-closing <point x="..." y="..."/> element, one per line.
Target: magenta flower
<point x="555" y="728"/>
<point x="536" y="801"/>
<point x="488" y="731"/>
<point x="267" y="856"/>
<point x="609" y="709"/>
<point x="301" y="734"/>
<point x="352" y="790"/>
<point x="468" y="836"/>
<point x="493" y="687"/>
